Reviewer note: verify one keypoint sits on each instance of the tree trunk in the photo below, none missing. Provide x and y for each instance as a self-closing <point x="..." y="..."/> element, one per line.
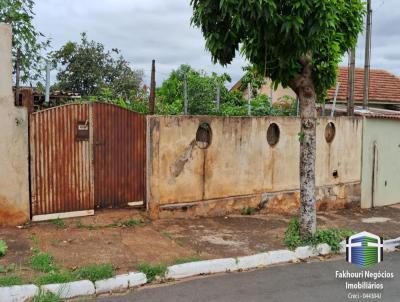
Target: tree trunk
<point x="304" y="87"/>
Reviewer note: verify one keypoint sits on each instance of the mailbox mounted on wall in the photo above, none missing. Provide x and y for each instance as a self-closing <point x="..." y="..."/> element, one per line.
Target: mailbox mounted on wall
<point x="82" y="133"/>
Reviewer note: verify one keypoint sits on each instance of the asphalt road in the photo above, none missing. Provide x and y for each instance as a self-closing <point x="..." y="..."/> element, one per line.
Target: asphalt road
<point x="306" y="282"/>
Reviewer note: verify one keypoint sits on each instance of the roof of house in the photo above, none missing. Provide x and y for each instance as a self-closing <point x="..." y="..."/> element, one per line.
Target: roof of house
<point x="384" y="86"/>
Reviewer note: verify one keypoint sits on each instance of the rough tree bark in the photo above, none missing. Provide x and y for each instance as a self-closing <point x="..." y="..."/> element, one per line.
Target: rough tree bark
<point x="304" y="87"/>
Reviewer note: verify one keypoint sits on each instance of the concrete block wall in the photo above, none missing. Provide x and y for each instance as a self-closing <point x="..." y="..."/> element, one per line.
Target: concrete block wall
<point x="14" y="176"/>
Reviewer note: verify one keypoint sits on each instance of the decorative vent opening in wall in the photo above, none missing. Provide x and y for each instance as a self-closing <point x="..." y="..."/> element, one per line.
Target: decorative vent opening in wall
<point x="203" y="136"/>
<point x="273" y="134"/>
<point x="330" y="132"/>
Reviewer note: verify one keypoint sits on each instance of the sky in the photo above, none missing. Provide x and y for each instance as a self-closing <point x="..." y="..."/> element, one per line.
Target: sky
<point x="161" y="30"/>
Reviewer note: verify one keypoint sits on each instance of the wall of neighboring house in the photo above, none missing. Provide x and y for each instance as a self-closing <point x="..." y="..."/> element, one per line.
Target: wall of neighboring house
<point x="14" y="184"/>
<point x="277" y="94"/>
<point x="240" y="169"/>
<point x="381" y="164"/>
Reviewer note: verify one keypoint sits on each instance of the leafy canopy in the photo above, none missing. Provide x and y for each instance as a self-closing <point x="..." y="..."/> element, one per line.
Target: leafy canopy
<point x="275" y="35"/>
<point x="26" y="39"/>
<point x="87" y="68"/>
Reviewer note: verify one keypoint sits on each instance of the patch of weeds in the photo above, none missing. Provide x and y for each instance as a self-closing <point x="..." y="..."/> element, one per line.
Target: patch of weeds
<point x="9" y="268"/>
<point x="3" y="248"/>
<point x="34" y="239"/>
<point x="187" y="260"/>
<point x="331" y="236"/>
<point x="180" y="242"/>
<point x="43" y="262"/>
<point x="10" y="280"/>
<point x="81" y="225"/>
<point x="130" y="223"/>
<point x="167" y="235"/>
<point x="59" y="223"/>
<point x="249" y="211"/>
<point x="152" y="271"/>
<point x="55" y="277"/>
<point x="46" y="297"/>
<point x="95" y="272"/>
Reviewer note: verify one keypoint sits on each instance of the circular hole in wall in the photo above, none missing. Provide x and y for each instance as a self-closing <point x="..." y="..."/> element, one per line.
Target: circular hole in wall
<point x="203" y="136"/>
<point x="330" y="132"/>
<point x="273" y="134"/>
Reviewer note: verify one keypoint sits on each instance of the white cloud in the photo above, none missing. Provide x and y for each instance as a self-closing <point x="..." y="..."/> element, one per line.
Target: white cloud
<point x="160" y="30"/>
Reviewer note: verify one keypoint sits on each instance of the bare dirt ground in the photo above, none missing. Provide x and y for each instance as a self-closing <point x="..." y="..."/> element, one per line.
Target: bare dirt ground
<point x="103" y="238"/>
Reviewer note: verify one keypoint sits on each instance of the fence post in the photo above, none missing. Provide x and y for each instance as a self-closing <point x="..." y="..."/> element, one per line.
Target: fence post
<point x="185" y="94"/>
<point x="248" y="99"/>
<point x="152" y="99"/>
<point x="218" y="98"/>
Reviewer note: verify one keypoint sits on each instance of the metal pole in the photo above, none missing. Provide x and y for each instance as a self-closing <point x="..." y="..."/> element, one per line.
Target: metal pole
<point x="334" y="99"/>
<point x="185" y="95"/>
<point x="367" y="62"/>
<point x="152" y="99"/>
<point x="352" y="71"/>
<point x="218" y="96"/>
<point x="17" y="77"/>
<point x="248" y="99"/>
<point x="47" y="93"/>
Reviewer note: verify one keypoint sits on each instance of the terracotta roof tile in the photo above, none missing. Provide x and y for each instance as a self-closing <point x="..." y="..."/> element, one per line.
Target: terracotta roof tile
<point x="384" y="86"/>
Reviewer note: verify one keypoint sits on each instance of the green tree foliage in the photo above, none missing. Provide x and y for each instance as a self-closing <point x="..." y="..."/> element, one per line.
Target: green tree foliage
<point x="202" y="96"/>
<point x="201" y="90"/>
<point x="298" y="43"/>
<point x="27" y="41"/>
<point x="275" y="35"/>
<point x="87" y="68"/>
<point x="252" y="77"/>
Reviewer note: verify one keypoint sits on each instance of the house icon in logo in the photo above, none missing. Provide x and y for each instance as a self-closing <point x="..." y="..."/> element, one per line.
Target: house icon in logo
<point x="364" y="249"/>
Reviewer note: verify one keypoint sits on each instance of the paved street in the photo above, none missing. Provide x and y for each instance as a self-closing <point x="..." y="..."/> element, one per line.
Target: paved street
<point x="306" y="282"/>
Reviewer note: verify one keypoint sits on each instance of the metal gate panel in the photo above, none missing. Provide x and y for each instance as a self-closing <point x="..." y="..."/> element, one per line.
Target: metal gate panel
<point x="60" y="160"/>
<point x="119" y="142"/>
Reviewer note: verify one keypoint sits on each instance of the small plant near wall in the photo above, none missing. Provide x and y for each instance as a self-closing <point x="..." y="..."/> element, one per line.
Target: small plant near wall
<point x="3" y="248"/>
<point x="331" y="236"/>
<point x="152" y="271"/>
<point x="249" y="211"/>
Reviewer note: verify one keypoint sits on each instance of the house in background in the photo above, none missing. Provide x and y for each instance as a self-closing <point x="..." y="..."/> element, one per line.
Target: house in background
<point x="268" y="90"/>
<point x="384" y="90"/>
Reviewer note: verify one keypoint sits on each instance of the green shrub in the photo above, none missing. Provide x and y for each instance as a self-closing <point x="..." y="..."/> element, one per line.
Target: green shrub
<point x="43" y="262"/>
<point x="59" y="223"/>
<point x="95" y="272"/>
<point x="331" y="236"/>
<point x="152" y="271"/>
<point x="55" y="277"/>
<point x="46" y="297"/>
<point x="187" y="260"/>
<point x="249" y="211"/>
<point x="10" y="280"/>
<point x="3" y="248"/>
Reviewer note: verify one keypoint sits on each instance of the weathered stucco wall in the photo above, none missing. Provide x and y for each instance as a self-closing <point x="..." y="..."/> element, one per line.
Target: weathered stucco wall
<point x="239" y="160"/>
<point x="381" y="163"/>
<point x="14" y="184"/>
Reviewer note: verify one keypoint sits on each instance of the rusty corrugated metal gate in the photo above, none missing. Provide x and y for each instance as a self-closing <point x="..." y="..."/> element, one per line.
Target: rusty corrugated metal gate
<point x="85" y="156"/>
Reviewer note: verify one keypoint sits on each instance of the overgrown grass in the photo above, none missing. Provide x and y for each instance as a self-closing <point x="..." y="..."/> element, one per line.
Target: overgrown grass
<point x="249" y="211"/>
<point x="10" y="280"/>
<point x="187" y="260"/>
<point x="331" y="236"/>
<point x="130" y="223"/>
<point x="95" y="272"/>
<point x="43" y="262"/>
<point x="59" y="223"/>
<point x="56" y="277"/>
<point x="3" y="248"/>
<point x="46" y="297"/>
<point x="9" y="268"/>
<point x="81" y="225"/>
<point x="152" y="270"/>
